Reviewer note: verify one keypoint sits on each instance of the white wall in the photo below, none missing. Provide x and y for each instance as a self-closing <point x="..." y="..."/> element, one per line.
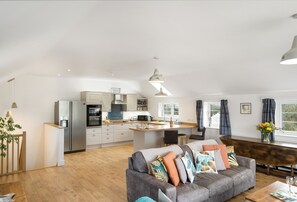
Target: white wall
<point x="35" y="97"/>
<point x="241" y="124"/>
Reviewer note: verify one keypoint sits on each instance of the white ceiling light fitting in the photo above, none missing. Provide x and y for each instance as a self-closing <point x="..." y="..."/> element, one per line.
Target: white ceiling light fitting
<point x="13" y="105"/>
<point x="161" y="93"/>
<point x="290" y="57"/>
<point x="157" y="77"/>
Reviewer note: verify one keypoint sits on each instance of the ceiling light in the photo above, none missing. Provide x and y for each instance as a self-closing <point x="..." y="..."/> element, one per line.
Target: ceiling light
<point x="59" y="75"/>
<point x="157" y="77"/>
<point x="290" y="57"/>
<point x="158" y="86"/>
<point x="161" y="93"/>
<point x="13" y="105"/>
<point x="68" y="70"/>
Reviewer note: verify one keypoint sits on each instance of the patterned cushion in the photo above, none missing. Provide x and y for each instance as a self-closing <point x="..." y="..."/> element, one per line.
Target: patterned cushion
<point x="190" y="168"/>
<point x="205" y="162"/>
<point x="181" y="169"/>
<point x="231" y="156"/>
<point x="159" y="170"/>
<point x="168" y="161"/>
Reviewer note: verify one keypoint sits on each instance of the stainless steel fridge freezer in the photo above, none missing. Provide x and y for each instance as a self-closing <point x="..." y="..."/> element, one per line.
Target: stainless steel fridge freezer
<point x="72" y="116"/>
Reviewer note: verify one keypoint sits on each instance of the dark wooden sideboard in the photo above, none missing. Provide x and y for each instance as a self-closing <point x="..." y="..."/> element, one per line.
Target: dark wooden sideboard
<point x="272" y="154"/>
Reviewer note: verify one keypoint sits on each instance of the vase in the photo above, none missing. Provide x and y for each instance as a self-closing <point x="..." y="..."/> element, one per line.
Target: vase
<point x="266" y="137"/>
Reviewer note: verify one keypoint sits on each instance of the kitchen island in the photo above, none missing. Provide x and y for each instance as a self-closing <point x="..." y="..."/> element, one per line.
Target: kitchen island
<point x="151" y="135"/>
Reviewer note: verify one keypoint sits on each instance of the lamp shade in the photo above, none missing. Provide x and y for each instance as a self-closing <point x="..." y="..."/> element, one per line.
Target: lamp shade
<point x="290" y="57"/>
<point x="157" y="77"/>
<point x="14" y="105"/>
<point x="9" y="114"/>
<point x="161" y="93"/>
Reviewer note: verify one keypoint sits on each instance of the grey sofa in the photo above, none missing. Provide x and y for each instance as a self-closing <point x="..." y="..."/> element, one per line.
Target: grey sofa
<point x="206" y="186"/>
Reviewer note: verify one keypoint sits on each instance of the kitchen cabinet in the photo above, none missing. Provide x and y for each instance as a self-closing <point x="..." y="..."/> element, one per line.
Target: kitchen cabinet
<point x="91" y="97"/>
<point x="131" y="102"/>
<point x="122" y="132"/>
<point x="93" y="136"/>
<point x="97" y="98"/>
<point x="106" y="102"/>
<point x="107" y="134"/>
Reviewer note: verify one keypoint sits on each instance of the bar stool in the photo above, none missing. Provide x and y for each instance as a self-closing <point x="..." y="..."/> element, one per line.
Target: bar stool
<point x="199" y="137"/>
<point x="170" y="137"/>
<point x="182" y="138"/>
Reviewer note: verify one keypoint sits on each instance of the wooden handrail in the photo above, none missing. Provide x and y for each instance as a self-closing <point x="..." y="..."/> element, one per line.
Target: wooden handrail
<point x="15" y="159"/>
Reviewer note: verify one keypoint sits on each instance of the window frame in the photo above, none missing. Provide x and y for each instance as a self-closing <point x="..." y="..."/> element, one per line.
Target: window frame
<point x="167" y="117"/>
<point x="278" y="119"/>
<point x="206" y="116"/>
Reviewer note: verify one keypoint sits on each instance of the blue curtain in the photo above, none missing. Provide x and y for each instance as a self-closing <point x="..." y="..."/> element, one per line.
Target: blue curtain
<point x="199" y="114"/>
<point x="225" y="126"/>
<point x="268" y="113"/>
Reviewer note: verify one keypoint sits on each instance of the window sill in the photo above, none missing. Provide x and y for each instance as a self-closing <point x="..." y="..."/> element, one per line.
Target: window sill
<point x="291" y="135"/>
<point x="212" y="128"/>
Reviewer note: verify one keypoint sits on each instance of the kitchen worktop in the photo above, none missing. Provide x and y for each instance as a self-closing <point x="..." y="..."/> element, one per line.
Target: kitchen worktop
<point x="112" y="122"/>
<point x="155" y="127"/>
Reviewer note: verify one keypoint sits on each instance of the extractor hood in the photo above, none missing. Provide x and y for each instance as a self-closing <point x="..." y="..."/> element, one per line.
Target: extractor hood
<point x="119" y="99"/>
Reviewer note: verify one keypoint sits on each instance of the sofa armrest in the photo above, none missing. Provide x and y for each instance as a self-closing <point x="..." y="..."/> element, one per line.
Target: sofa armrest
<point x="142" y="184"/>
<point x="248" y="163"/>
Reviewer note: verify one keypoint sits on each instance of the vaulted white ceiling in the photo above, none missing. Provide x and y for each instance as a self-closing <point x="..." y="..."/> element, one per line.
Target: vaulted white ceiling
<point x="205" y="47"/>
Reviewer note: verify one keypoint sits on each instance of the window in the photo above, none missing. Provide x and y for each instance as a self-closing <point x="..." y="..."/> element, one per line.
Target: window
<point x="288" y="117"/>
<point x="211" y="114"/>
<point x="168" y="110"/>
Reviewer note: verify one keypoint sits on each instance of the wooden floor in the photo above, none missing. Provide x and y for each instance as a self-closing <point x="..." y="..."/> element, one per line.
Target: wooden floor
<point x="95" y="175"/>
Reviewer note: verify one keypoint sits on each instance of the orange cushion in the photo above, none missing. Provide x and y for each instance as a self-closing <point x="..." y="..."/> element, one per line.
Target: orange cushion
<point x="168" y="160"/>
<point x="223" y="149"/>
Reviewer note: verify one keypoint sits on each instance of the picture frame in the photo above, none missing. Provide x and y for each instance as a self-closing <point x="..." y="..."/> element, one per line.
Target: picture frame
<point x="246" y="108"/>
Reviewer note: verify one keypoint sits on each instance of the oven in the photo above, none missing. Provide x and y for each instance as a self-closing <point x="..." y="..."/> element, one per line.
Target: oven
<point x="94" y="115"/>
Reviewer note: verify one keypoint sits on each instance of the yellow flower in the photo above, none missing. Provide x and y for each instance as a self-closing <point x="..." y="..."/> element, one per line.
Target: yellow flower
<point x="267" y="124"/>
<point x="269" y="129"/>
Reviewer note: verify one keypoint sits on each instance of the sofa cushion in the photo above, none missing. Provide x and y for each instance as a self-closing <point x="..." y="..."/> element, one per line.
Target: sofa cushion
<point x="215" y="183"/>
<point x="219" y="161"/>
<point x="139" y="163"/>
<point x="190" y="168"/>
<point x="181" y="169"/>
<point x="191" y="192"/>
<point x="149" y="155"/>
<point x="205" y="162"/>
<point x="231" y="156"/>
<point x="243" y="178"/>
<point x="168" y="161"/>
<point x="198" y="145"/>
<point x="159" y="169"/>
<point x="223" y="149"/>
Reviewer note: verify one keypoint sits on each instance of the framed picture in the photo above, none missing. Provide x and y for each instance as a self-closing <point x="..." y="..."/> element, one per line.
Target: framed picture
<point x="245" y="108"/>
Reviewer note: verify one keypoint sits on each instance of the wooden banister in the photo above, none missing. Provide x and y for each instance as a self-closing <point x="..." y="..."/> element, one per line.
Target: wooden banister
<point x="15" y="159"/>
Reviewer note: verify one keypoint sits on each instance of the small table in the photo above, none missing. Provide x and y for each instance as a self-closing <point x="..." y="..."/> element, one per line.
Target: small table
<point x="264" y="194"/>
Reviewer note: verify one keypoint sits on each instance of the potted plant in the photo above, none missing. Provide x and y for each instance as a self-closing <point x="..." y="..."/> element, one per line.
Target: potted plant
<point x="266" y="129"/>
<point x="7" y="127"/>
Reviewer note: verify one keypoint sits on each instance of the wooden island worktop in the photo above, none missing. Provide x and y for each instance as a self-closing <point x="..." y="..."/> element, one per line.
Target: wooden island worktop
<point x="151" y="134"/>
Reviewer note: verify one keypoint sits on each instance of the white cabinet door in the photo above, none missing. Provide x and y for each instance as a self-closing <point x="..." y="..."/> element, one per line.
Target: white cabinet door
<point x="131" y="102"/>
<point x="91" y="97"/>
<point x="122" y="132"/>
<point x="93" y="136"/>
<point x="106" y="102"/>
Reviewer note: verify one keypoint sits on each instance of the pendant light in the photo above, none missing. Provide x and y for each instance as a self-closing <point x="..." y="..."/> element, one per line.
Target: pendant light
<point x="13" y="105"/>
<point x="161" y="93"/>
<point x="156" y="77"/>
<point x="290" y="57"/>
